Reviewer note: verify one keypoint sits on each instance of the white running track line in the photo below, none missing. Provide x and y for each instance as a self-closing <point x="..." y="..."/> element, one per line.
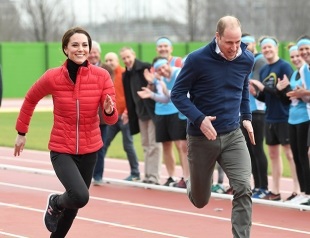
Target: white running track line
<point x="139" y="205"/>
<point x="11" y="235"/>
<point x="157" y="187"/>
<point x="96" y="221"/>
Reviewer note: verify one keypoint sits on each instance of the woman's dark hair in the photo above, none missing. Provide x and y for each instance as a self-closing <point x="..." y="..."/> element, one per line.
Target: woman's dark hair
<point x="66" y="37"/>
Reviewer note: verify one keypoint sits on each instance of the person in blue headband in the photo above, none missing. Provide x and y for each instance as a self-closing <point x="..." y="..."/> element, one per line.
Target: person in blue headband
<point x="299" y="123"/>
<point x="276" y="117"/>
<point x="170" y="128"/>
<point x="303" y="92"/>
<point x="164" y="49"/>
<point x="303" y="45"/>
<point x="257" y="152"/>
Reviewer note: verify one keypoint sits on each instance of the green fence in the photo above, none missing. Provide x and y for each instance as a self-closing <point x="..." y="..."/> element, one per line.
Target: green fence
<point x="23" y="63"/>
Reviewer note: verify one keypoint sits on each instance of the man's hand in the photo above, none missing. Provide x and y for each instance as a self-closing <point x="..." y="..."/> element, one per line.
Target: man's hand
<point x="248" y="126"/>
<point x="257" y="84"/>
<point x="207" y="128"/>
<point x="145" y="93"/>
<point x="20" y="142"/>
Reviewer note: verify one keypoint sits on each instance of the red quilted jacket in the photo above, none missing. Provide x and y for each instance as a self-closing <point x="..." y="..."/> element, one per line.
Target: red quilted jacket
<point x="76" y="121"/>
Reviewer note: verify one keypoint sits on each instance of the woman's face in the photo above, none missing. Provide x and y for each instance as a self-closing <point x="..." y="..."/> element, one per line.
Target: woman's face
<point x="296" y="59"/>
<point x="77" y="48"/>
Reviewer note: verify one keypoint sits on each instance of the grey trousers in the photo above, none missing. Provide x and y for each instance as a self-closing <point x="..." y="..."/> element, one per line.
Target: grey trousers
<point x="152" y="151"/>
<point x="231" y="152"/>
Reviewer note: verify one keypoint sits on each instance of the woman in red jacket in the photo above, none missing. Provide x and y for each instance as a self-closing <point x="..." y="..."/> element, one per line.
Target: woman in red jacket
<point x="78" y="89"/>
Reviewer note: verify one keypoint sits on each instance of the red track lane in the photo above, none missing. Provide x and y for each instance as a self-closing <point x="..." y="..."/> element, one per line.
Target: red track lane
<point x="124" y="211"/>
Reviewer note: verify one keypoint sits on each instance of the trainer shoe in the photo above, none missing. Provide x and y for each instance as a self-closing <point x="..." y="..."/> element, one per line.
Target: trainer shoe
<point x="293" y="195"/>
<point x="218" y="188"/>
<point x="180" y="184"/>
<point x="169" y="181"/>
<point x="273" y="197"/>
<point x="97" y="182"/>
<point x="307" y="203"/>
<point x="133" y="178"/>
<point x="230" y="191"/>
<point x="52" y="213"/>
<point x="260" y="194"/>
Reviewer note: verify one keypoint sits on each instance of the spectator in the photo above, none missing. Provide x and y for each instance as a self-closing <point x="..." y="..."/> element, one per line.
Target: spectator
<point x="170" y="127"/>
<point x="258" y="157"/>
<point x="277" y="111"/>
<point x="141" y="114"/>
<point x="164" y="49"/>
<point x="303" y="93"/>
<point x="95" y="59"/>
<point x="111" y="59"/>
<point x="298" y="127"/>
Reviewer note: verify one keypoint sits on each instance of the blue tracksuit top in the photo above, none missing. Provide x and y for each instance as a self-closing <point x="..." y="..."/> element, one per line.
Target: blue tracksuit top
<point x="217" y="87"/>
<point x="298" y="109"/>
<point x="277" y="103"/>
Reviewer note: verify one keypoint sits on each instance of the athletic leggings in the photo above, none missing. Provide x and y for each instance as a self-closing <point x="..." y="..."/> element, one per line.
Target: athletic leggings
<point x="298" y="141"/>
<point x="258" y="157"/>
<point x="75" y="173"/>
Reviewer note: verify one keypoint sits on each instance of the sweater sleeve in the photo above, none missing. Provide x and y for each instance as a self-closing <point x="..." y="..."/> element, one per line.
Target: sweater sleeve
<point x="180" y="91"/>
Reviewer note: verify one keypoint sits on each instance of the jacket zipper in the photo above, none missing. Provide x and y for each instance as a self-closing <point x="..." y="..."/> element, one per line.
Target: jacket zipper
<point x="77" y="125"/>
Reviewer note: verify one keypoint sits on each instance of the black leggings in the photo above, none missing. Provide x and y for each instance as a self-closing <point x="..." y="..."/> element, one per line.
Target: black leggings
<point x="257" y="153"/>
<point x="298" y="141"/>
<point x="75" y="173"/>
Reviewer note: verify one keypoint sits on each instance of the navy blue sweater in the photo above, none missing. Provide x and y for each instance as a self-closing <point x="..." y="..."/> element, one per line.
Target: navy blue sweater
<point x="217" y="87"/>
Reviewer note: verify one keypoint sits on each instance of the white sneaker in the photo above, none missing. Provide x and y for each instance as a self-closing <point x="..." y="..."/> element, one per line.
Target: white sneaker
<point x="295" y="200"/>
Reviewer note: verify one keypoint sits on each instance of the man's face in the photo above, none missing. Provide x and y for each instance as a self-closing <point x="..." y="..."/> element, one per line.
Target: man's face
<point x="164" y="50"/>
<point x="304" y="52"/>
<point x="270" y="51"/>
<point x="229" y="42"/>
<point x="128" y="58"/>
<point x="94" y="56"/>
<point x="112" y="61"/>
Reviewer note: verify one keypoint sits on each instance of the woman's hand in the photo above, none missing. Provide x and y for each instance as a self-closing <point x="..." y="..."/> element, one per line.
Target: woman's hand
<point x="20" y="142"/>
<point x="108" y="105"/>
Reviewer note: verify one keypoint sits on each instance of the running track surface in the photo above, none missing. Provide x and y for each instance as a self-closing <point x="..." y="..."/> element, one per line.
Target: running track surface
<point x="129" y="209"/>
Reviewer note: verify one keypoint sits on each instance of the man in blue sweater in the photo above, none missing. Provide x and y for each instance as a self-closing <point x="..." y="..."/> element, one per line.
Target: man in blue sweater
<point x="216" y="78"/>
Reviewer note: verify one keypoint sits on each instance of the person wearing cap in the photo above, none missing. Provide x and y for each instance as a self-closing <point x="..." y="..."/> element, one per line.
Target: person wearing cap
<point x="276" y="116"/>
<point x="164" y="49"/>
<point x="257" y="152"/>
<point x="216" y="79"/>
<point x="170" y="125"/>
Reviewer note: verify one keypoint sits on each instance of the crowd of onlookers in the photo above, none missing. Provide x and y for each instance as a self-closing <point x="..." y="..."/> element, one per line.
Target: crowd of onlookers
<point x="279" y="102"/>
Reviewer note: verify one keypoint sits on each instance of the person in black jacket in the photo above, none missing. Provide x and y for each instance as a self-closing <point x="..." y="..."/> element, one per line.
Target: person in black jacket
<point x="141" y="113"/>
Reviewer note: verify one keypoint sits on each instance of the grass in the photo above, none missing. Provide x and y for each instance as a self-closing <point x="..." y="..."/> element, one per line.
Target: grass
<point x="39" y="132"/>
